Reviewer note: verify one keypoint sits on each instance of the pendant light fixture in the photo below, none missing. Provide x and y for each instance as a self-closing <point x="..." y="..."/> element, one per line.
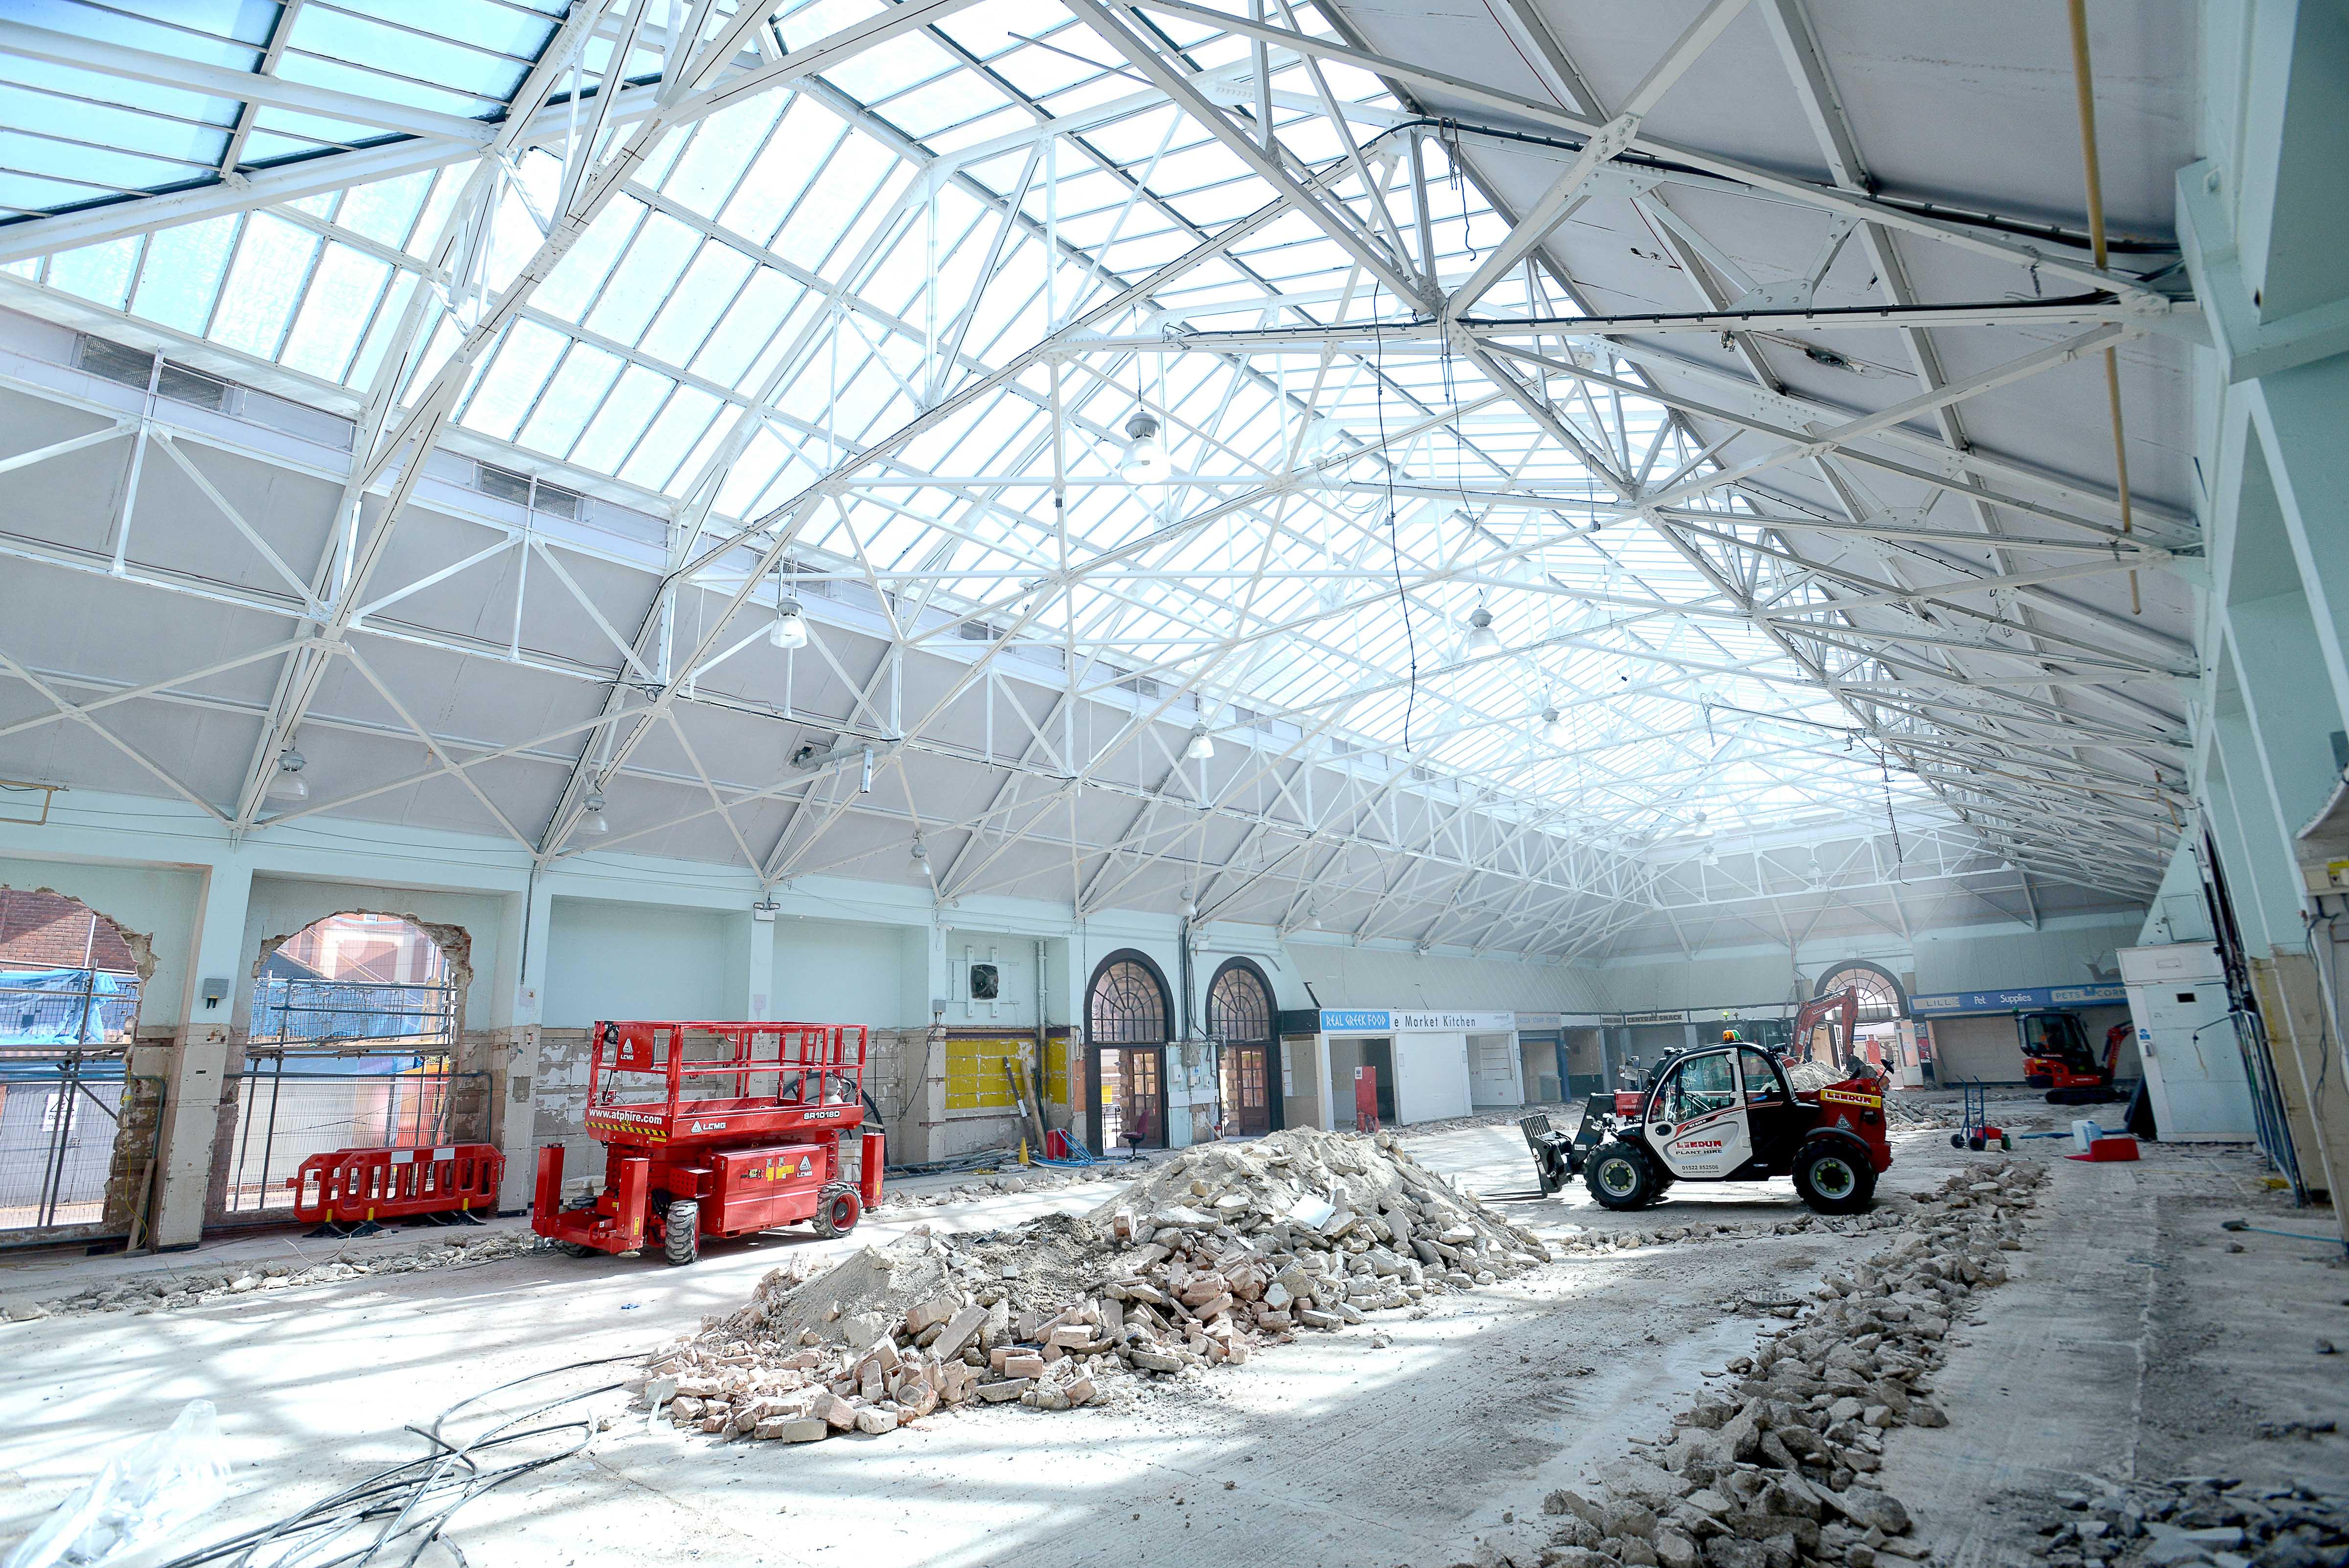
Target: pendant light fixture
<point x="1482" y="638"/>
<point x="288" y="784"/>
<point x="1145" y="452"/>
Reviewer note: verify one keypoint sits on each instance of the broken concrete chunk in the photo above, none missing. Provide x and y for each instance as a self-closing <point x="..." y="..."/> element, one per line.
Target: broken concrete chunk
<point x="960" y="1330"/>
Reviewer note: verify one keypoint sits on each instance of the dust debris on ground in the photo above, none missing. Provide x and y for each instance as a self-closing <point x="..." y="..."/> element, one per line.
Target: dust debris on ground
<point x="1776" y="1472"/>
<point x="169" y="1288"/>
<point x="1207" y="1258"/>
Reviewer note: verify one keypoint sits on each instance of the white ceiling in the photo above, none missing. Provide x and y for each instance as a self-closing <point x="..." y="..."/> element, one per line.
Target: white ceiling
<point x="781" y="323"/>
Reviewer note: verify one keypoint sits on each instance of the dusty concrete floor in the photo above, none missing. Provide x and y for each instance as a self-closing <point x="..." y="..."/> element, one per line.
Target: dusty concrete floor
<point x="2133" y="1345"/>
<point x="1325" y="1453"/>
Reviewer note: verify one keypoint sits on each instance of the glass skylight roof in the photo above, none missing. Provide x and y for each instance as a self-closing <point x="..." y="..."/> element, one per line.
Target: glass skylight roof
<point x="787" y="281"/>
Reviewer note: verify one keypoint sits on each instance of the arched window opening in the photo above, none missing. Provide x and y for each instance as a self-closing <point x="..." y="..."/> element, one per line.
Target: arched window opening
<point x="1240" y="1019"/>
<point x="1127" y="1009"/>
<point x="1128" y="1005"/>
<point x="1240" y="1004"/>
<point x="354" y="1022"/>
<point x="1881" y="999"/>
<point x="70" y="985"/>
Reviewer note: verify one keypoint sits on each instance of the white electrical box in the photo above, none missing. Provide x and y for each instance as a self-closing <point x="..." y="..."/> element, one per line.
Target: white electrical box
<point x="2193" y="1059"/>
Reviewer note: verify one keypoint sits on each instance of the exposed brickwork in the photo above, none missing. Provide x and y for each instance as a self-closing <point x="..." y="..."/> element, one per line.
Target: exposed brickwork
<point x="48" y="931"/>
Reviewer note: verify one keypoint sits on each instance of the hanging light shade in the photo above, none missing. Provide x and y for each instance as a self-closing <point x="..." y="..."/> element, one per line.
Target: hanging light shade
<point x="1200" y="746"/>
<point x="593" y="821"/>
<point x="1553" y="725"/>
<point x="1145" y="452"/>
<point x="1481" y="639"/>
<point x="920" y="858"/>
<point x="288" y="783"/>
<point x="791" y="628"/>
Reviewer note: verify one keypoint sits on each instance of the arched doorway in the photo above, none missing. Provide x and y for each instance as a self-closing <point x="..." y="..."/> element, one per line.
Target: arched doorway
<point x="1882" y="1003"/>
<point x="1240" y="1019"/>
<point x="1881" y="999"/>
<point x="1126" y="1010"/>
<point x="352" y="1024"/>
<point x="76" y="1146"/>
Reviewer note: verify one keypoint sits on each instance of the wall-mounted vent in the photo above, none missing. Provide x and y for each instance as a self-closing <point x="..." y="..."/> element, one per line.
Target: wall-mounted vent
<point x="131" y="367"/>
<point x="556" y="502"/>
<point x="1142" y="686"/>
<point x="978" y="631"/>
<point x="183" y="385"/>
<point x="504" y="484"/>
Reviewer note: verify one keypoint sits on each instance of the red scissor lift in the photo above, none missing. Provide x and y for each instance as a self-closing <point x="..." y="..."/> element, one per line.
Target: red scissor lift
<point x="715" y="1130"/>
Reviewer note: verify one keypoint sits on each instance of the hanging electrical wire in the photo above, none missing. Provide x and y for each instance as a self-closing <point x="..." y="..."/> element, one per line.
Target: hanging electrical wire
<point x="1395" y="547"/>
<point x="1884" y="769"/>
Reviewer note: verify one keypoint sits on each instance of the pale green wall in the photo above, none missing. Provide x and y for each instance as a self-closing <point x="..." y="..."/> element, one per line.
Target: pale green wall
<point x="638" y="961"/>
<point x="158" y="903"/>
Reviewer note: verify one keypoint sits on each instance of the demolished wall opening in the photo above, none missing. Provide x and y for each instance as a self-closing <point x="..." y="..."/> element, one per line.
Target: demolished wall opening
<point x="77" y="1127"/>
<point x="353" y="1030"/>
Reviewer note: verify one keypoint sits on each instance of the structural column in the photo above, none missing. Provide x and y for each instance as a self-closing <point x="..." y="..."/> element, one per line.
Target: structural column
<point x="515" y="1063"/>
<point x="194" y="1071"/>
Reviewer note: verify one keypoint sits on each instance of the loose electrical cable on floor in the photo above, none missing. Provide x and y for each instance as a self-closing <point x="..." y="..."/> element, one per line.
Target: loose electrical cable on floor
<point x="393" y="1515"/>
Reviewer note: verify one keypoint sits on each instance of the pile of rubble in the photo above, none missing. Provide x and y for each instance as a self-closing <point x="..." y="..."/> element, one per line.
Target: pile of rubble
<point x="1012" y="1176"/>
<point x="2212" y="1521"/>
<point x="1775" y="1473"/>
<point x="172" y="1288"/>
<point x="1889" y="1213"/>
<point x="1214" y="1252"/>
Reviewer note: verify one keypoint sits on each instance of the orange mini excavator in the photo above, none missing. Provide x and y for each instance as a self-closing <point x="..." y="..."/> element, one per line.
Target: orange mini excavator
<point x="2056" y="1058"/>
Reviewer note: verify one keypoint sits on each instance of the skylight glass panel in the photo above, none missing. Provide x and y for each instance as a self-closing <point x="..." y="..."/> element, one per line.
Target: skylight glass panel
<point x="503" y="395"/>
<point x="181" y="274"/>
<point x="387" y="318"/>
<point x="643" y="281"/>
<point x="710" y="167"/>
<point x="570" y="399"/>
<point x="100" y="274"/>
<point x="335" y="313"/>
<point x="271" y="261"/>
<point x="706" y="289"/>
<point x="627" y="409"/>
<point x="670" y="436"/>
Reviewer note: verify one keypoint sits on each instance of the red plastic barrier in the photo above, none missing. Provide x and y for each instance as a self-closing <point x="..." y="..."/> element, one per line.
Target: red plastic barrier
<point x="353" y="1186"/>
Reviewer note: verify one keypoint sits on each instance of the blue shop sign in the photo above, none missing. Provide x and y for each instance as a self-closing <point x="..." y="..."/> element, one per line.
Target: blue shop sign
<point x="1356" y="1020"/>
<point x="2027" y="999"/>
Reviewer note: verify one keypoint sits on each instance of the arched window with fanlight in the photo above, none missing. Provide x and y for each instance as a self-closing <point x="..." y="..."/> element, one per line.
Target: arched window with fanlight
<point x="1881" y="999"/>
<point x="1240" y="1021"/>
<point x="1127" y="1009"/>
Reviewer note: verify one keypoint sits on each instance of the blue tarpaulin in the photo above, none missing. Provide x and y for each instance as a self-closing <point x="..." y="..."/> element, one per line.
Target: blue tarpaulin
<point x="45" y="1006"/>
